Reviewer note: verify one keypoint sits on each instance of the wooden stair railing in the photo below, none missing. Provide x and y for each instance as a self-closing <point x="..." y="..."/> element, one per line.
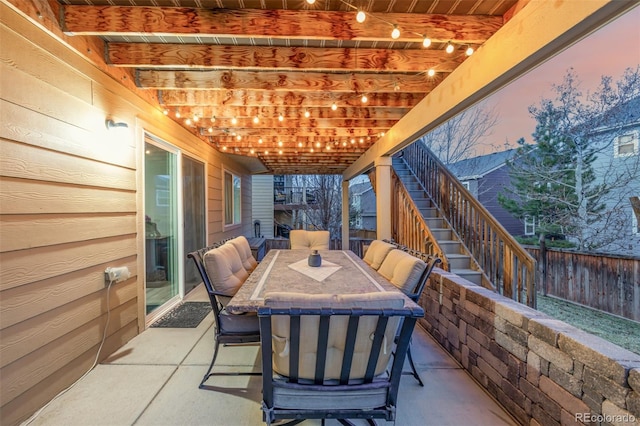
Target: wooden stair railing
<point x="502" y="260"/>
<point x="409" y="227"/>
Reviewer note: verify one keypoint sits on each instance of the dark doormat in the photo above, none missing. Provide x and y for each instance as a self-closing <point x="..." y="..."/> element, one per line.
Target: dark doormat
<point x="186" y="315"/>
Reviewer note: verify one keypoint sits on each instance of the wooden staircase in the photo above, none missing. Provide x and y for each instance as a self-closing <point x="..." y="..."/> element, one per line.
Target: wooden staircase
<point x="458" y="258"/>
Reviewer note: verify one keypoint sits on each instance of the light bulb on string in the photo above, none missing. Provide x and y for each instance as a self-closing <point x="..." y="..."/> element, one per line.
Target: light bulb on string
<point x="395" y="33"/>
<point x="469" y="51"/>
<point x="311" y="1"/>
<point x="234" y="121"/>
<point x="361" y="16"/>
<point x="256" y="119"/>
<point x="307" y="114"/>
<point x="364" y="99"/>
<point x="281" y="118"/>
<point x="334" y="106"/>
<point x="431" y="72"/>
<point x="449" y="48"/>
<point x="426" y="42"/>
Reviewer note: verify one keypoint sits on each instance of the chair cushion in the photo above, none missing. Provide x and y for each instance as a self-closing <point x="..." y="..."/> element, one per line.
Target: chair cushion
<point x="402" y="270"/>
<point x="238" y="323"/>
<point x="376" y="253"/>
<point x="225" y="271"/>
<point x="312" y="240"/>
<point x="337" y="333"/>
<point x="244" y="250"/>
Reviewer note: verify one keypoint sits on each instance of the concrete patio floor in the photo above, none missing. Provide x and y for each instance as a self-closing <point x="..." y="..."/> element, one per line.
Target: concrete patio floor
<point x="153" y="380"/>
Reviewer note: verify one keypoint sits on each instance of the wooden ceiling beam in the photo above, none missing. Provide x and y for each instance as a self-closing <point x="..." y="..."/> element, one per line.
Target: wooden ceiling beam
<point x="206" y="112"/>
<point x="286" y="81"/>
<point x="301" y="131"/>
<point x="324" y="123"/>
<point x="183" y="56"/>
<point x="246" y="98"/>
<point x="291" y="24"/>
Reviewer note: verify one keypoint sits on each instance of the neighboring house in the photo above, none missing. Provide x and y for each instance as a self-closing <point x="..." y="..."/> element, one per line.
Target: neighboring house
<point x="620" y="153"/>
<point x="262" y="206"/>
<point x="485" y="176"/>
<point x="364" y="204"/>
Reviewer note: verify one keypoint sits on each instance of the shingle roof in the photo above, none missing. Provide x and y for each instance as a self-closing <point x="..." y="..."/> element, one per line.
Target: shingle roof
<point x="477" y="167"/>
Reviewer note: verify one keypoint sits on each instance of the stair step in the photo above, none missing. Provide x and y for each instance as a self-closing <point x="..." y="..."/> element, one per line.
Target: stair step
<point x="434" y="222"/>
<point x="469" y="274"/>
<point x="429" y="212"/>
<point x="423" y="203"/>
<point x="458" y="261"/>
<point x="441" y="233"/>
<point x="450" y="246"/>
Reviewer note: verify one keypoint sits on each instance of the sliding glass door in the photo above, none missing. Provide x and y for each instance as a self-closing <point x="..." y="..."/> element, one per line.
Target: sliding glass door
<point x="161" y="224"/>
<point x="193" y="216"/>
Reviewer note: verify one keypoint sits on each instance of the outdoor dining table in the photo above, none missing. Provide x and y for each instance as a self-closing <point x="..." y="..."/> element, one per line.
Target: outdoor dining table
<point x="341" y="272"/>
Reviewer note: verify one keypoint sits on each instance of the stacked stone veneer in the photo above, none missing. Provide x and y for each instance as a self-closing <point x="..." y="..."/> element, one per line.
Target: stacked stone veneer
<point x="543" y="371"/>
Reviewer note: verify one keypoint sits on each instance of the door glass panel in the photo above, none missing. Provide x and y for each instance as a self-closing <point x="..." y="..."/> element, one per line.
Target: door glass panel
<point x="161" y="230"/>
<point x="193" y="198"/>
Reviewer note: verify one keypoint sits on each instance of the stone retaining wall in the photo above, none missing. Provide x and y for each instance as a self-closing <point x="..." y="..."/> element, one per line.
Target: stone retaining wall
<point x="542" y="370"/>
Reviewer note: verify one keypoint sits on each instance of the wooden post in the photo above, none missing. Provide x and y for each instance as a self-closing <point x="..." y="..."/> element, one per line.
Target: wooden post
<point x="383" y="197"/>
<point x="543" y="264"/>
<point x="345" y="215"/>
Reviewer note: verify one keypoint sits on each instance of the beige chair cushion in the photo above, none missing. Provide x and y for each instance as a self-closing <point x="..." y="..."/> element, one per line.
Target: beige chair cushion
<point x="244" y="250"/>
<point x="312" y="240"/>
<point x="402" y="269"/>
<point x="376" y="253"/>
<point x="337" y="332"/>
<point x="225" y="270"/>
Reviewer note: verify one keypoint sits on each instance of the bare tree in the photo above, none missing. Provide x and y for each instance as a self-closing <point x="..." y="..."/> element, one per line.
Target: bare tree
<point x="456" y="139"/>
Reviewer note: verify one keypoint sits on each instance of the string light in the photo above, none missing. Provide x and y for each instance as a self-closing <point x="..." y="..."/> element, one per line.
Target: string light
<point x="364" y="99"/>
<point x="256" y="119"/>
<point x="187" y="122"/>
<point x="279" y="143"/>
<point x="165" y="111"/>
<point x="260" y="140"/>
<point x="311" y="1"/>
<point x="281" y="118"/>
<point x="196" y="118"/>
<point x="234" y="121"/>
<point x="469" y="51"/>
<point x="177" y="114"/>
<point x="210" y="129"/>
<point x="431" y="72"/>
<point x="334" y="106"/>
<point x="361" y="16"/>
<point x="395" y="33"/>
<point x="307" y="114"/>
<point x="426" y="42"/>
<point x="449" y="48"/>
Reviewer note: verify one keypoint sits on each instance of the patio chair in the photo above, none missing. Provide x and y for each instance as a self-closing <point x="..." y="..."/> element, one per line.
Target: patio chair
<point x="244" y="250"/>
<point x="333" y="362"/>
<point x="409" y="272"/>
<point x="312" y="240"/>
<point x="229" y="328"/>
<point x="376" y="253"/>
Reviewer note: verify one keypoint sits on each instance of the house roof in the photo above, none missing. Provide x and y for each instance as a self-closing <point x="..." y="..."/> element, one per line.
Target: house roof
<point x="477" y="167"/>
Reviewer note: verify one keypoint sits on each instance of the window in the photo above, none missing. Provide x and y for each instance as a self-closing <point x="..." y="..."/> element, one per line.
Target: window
<point x="529" y="225"/>
<point x="626" y="145"/>
<point x="466" y="185"/>
<point x="232" y="213"/>
<point x="635" y="217"/>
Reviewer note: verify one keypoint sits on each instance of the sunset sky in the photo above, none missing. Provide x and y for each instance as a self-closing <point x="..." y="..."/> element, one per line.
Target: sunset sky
<point x="608" y="51"/>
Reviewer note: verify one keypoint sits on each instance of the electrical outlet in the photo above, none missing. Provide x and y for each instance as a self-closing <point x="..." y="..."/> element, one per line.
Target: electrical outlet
<point x="116" y="275"/>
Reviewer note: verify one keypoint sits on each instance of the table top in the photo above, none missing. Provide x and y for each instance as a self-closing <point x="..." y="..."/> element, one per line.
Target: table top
<point x="341" y="272"/>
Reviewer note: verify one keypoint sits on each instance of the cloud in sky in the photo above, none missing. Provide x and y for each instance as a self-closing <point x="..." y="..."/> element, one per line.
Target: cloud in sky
<point x="608" y="51"/>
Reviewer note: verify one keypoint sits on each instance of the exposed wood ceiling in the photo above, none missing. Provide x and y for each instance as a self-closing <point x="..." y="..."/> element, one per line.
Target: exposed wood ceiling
<point x="276" y="60"/>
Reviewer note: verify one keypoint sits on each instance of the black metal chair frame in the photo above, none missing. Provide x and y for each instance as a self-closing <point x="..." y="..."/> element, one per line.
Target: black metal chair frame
<point x="431" y="262"/>
<point x="225" y="338"/>
<point x="273" y="413"/>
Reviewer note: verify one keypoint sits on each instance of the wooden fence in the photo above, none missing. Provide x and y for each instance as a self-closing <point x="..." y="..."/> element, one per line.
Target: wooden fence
<point x="607" y="283"/>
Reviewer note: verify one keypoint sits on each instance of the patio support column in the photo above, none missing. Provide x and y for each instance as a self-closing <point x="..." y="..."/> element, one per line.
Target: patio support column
<point x="383" y="197"/>
<point x="345" y="215"/>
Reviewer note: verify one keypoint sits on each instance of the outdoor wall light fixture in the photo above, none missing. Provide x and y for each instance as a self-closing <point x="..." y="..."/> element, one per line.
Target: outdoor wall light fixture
<point x="110" y="124"/>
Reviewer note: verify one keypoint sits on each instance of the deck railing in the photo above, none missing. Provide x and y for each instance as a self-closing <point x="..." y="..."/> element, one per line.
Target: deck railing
<point x="408" y="226"/>
<point x="506" y="264"/>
